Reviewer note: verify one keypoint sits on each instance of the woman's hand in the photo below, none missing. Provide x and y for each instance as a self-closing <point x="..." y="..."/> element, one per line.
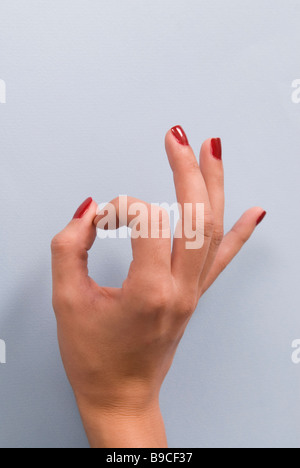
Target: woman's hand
<point x="117" y="345"/>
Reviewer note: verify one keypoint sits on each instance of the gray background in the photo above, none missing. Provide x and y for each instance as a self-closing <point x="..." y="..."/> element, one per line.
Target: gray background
<point x="92" y="87"/>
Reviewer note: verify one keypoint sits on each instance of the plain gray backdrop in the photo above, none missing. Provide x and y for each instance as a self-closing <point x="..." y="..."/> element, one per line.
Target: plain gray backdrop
<point x="92" y="88"/>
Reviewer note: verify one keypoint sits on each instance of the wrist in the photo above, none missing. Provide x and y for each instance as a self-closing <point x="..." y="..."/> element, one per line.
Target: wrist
<point x="124" y="426"/>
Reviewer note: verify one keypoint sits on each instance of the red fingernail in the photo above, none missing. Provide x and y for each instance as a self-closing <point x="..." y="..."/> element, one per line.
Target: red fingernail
<point x="262" y="216"/>
<point x="83" y="209"/>
<point x="180" y="135"/>
<point x="216" y="148"/>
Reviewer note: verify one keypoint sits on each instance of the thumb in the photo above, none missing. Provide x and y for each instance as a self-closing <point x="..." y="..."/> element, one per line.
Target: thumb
<point x="70" y="247"/>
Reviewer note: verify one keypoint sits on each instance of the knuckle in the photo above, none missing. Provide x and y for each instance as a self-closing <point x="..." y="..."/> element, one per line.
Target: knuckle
<point x="56" y="242"/>
<point x="158" y="297"/>
<point x="200" y="222"/>
<point x="60" y="243"/>
<point x="149" y="296"/>
<point x="64" y="298"/>
<point x="209" y="224"/>
<point x="187" y="306"/>
<point x="217" y="237"/>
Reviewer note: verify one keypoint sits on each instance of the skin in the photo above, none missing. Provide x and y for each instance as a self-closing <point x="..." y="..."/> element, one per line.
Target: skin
<point x="117" y="345"/>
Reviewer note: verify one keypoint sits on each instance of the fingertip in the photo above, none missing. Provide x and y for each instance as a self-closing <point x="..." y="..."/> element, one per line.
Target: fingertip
<point x="216" y="148"/>
<point x="252" y="218"/>
<point x="212" y="150"/>
<point x="180" y="154"/>
<point x="176" y="137"/>
<point x="256" y="214"/>
<point x="206" y="145"/>
<point x="83" y="208"/>
<point x="261" y="217"/>
<point x="168" y="138"/>
<point x="82" y="222"/>
<point x="180" y="135"/>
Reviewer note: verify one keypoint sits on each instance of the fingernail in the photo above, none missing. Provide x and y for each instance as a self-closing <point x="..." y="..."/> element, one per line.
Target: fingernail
<point x="216" y="148"/>
<point x="262" y="216"/>
<point x="180" y="135"/>
<point x="83" y="208"/>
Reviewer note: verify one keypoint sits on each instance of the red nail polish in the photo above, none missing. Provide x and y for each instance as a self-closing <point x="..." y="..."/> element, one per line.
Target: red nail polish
<point x="83" y="209"/>
<point x="180" y="135"/>
<point x="216" y="148"/>
<point x="262" y="216"/>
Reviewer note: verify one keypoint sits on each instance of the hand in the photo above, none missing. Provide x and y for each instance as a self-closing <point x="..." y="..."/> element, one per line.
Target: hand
<point x="117" y="345"/>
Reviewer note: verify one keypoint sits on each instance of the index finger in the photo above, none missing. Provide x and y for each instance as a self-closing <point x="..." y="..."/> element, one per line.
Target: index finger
<point x="150" y="235"/>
